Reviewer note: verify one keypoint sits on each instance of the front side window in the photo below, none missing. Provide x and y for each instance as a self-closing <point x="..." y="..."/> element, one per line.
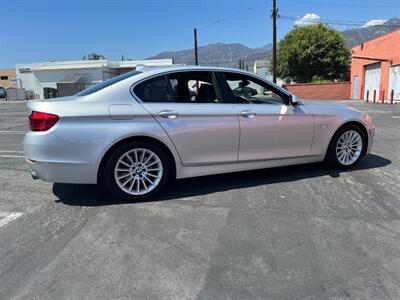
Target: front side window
<point x="193" y="87"/>
<point x="245" y="89"/>
<point x="154" y="90"/>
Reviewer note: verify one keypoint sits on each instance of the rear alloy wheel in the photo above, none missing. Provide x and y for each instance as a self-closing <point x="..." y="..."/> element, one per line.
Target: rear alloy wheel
<point x="136" y="170"/>
<point x="347" y="147"/>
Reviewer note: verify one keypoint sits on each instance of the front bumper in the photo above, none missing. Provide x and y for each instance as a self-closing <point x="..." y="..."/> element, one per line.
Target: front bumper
<point x="371" y="134"/>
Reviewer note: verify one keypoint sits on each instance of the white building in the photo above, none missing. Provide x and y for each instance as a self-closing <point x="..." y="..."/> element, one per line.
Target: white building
<point x="64" y="78"/>
<point x="261" y="68"/>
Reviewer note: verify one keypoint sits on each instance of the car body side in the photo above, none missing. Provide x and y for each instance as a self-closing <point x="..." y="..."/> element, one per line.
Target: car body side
<point x="72" y="151"/>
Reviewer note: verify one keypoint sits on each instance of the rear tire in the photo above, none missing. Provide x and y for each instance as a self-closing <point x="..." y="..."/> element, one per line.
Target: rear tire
<point x="136" y="170"/>
<point x="347" y="147"/>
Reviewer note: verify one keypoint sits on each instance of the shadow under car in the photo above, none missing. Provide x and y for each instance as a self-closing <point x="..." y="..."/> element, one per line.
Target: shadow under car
<point x="93" y="195"/>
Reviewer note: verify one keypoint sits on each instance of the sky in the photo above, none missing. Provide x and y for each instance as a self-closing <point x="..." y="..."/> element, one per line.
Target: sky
<point x="47" y="30"/>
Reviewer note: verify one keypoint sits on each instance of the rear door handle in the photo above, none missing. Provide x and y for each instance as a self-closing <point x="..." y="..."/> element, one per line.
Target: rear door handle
<point x="169" y="114"/>
<point x="248" y="114"/>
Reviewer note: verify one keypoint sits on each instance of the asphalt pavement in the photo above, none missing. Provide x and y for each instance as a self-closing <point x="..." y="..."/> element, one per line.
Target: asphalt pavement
<point x="301" y="232"/>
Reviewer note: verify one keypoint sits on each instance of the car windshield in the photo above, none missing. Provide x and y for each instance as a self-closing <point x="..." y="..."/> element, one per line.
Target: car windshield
<point x="107" y="83"/>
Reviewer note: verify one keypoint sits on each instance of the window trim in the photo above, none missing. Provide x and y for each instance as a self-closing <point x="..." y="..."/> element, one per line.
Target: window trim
<point x="233" y="100"/>
<point x="215" y="80"/>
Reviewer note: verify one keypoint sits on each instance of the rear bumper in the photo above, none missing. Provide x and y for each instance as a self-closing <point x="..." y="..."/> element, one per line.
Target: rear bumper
<point x="56" y="160"/>
<point x="34" y="175"/>
<point x="62" y="172"/>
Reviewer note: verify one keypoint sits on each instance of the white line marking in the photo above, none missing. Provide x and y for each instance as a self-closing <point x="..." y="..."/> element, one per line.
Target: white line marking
<point x="8" y="217"/>
<point x="13" y="114"/>
<point x="12" y="156"/>
<point x="12" y="132"/>
<point x="13" y="125"/>
<point x="11" y="151"/>
<point x="396" y="117"/>
<point x="8" y="117"/>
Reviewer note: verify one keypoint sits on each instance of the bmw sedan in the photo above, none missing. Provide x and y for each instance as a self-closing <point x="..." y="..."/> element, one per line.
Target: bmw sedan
<point x="135" y="132"/>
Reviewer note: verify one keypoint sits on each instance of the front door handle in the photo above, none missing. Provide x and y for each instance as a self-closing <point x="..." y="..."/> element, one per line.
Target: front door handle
<point x="170" y="114"/>
<point x="248" y="114"/>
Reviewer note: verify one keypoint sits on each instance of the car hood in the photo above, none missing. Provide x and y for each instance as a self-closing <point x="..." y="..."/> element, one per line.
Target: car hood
<point x="328" y="107"/>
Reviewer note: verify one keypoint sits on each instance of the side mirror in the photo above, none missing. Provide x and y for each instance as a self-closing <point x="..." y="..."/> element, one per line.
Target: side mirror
<point x="294" y="100"/>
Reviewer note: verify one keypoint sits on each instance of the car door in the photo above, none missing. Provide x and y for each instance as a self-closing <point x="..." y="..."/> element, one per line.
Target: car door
<point x="270" y="128"/>
<point x="187" y="105"/>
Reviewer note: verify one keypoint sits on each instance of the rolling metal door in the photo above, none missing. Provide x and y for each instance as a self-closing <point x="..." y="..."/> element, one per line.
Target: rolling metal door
<point x="394" y="82"/>
<point x="372" y="81"/>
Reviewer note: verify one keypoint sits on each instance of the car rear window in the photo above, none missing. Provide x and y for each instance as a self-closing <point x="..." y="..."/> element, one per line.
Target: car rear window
<point x="107" y="83"/>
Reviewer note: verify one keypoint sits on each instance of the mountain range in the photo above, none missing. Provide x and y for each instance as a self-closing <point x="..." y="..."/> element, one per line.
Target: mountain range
<point x="222" y="54"/>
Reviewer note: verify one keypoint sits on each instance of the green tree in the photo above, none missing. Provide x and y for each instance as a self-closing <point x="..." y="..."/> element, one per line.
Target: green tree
<point x="312" y="52"/>
<point x="93" y="56"/>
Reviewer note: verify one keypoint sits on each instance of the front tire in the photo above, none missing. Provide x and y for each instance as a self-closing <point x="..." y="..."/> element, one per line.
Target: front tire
<point x="347" y="147"/>
<point x="136" y="170"/>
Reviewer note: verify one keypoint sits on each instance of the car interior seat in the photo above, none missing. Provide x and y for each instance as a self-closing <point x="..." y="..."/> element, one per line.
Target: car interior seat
<point x="206" y="94"/>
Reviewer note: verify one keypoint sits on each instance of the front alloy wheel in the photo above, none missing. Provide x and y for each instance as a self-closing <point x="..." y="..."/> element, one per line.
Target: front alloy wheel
<point x="347" y="147"/>
<point x="136" y="170"/>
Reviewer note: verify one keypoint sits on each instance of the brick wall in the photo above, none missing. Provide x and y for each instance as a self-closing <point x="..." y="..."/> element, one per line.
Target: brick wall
<point x="384" y="50"/>
<point x="333" y="90"/>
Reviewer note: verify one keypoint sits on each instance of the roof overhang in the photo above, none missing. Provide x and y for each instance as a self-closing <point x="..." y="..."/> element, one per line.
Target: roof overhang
<point x="371" y="58"/>
<point x="92" y="64"/>
<point x="71" y="78"/>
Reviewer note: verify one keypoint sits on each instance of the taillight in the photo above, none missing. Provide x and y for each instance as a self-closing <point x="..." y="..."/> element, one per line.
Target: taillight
<point x="39" y="121"/>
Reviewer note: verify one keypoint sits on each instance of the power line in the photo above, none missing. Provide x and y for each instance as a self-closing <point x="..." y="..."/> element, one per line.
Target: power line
<point x="333" y="21"/>
<point x="219" y="21"/>
<point x="349" y="4"/>
<point x="196" y="55"/>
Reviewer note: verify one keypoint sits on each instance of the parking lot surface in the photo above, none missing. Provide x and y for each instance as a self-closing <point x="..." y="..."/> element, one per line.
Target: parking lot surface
<point x="301" y="232"/>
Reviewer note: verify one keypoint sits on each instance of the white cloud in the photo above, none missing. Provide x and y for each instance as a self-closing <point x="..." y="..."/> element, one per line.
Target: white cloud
<point x="374" y="22"/>
<point x="308" y="19"/>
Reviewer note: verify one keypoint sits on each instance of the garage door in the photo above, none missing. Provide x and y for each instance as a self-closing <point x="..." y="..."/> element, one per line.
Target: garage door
<point x="372" y="81"/>
<point x="394" y="82"/>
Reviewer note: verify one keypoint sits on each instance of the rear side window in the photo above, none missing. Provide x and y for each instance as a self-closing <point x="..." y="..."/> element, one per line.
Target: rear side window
<point x="154" y="90"/>
<point x="193" y="87"/>
<point x="107" y="83"/>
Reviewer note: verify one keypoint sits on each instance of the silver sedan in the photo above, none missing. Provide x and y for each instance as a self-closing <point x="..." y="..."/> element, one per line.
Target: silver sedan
<point x="136" y="131"/>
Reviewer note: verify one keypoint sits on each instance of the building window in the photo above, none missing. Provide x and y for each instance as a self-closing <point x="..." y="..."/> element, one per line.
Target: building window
<point x="3" y="77"/>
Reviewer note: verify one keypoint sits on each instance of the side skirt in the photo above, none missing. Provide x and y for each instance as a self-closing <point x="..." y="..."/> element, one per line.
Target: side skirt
<point x="194" y="171"/>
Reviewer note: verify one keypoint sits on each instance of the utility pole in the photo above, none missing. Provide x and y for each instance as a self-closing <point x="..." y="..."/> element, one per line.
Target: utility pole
<point x="273" y="15"/>
<point x="196" y="54"/>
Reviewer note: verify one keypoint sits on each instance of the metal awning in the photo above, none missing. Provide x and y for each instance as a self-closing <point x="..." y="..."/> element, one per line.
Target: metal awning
<point x="71" y="78"/>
